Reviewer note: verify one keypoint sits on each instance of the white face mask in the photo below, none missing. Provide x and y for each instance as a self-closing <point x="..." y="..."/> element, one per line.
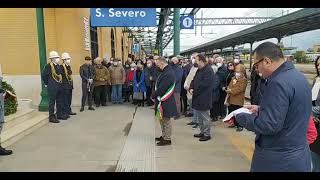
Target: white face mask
<point x="132" y="69"/>
<point x="237" y="74"/>
<point x="219" y="64"/>
<point x="193" y="61"/>
<point x="57" y="60"/>
<point x="260" y="74"/>
<point x="115" y="63"/>
<point x="68" y="61"/>
<point x="149" y="65"/>
<point x="236" y="61"/>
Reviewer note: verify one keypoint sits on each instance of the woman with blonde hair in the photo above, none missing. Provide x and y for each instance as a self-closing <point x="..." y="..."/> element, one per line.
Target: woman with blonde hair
<point x="236" y="93"/>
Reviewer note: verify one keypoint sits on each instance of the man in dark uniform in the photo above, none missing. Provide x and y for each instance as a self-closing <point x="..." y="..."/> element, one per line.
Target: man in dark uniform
<point x="163" y="95"/>
<point x="87" y="73"/>
<point x="67" y="83"/>
<point x="52" y="77"/>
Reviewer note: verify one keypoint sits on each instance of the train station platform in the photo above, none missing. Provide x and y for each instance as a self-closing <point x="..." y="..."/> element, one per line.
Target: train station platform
<point x="121" y="138"/>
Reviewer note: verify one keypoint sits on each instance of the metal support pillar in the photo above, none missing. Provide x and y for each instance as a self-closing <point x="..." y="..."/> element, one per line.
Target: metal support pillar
<point x="232" y="52"/>
<point x="250" y="56"/>
<point x="176" y="23"/>
<point x="160" y="45"/>
<point x="44" y="103"/>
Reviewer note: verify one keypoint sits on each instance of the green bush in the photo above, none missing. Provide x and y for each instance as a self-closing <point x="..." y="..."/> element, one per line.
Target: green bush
<point x="10" y="102"/>
<point x="300" y="56"/>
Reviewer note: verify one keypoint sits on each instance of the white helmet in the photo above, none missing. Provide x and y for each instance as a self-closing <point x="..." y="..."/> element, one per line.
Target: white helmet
<point x="65" y="56"/>
<point x="53" y="54"/>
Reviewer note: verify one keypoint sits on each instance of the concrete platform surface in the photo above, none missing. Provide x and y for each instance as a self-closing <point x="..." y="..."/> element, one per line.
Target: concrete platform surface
<point x="88" y="141"/>
<point x="94" y="141"/>
<point x="227" y="151"/>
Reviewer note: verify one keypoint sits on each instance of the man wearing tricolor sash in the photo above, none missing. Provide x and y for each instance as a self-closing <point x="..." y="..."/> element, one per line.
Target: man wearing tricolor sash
<point x="164" y="100"/>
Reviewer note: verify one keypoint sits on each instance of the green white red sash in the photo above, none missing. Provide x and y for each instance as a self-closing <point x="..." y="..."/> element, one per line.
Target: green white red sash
<point x="165" y="97"/>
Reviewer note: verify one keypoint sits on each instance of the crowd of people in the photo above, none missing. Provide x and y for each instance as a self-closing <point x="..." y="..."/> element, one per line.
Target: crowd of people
<point x="206" y="90"/>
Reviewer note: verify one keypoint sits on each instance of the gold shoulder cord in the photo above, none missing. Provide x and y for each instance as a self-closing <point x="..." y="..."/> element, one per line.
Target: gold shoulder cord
<point x="55" y="76"/>
<point x="66" y="72"/>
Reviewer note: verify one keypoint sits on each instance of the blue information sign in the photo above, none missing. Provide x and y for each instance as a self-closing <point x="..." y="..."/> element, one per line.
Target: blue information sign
<point x="123" y="17"/>
<point x="186" y="22"/>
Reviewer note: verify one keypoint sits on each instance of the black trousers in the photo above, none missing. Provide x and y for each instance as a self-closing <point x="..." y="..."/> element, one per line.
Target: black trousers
<point x="127" y="93"/>
<point x="214" y="111"/>
<point x="67" y="101"/>
<point x="222" y="110"/>
<point x="56" y="98"/>
<point x="148" y="95"/>
<point x="108" y="90"/>
<point x="231" y="108"/>
<point x="87" y="95"/>
<point x="141" y="102"/>
<point x="184" y="105"/>
<point x="100" y="97"/>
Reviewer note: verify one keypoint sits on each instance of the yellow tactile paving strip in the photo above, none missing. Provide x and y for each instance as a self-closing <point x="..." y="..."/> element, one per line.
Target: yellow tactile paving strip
<point x="241" y="141"/>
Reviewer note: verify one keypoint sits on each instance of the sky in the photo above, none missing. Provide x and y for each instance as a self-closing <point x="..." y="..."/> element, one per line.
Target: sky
<point x="188" y="39"/>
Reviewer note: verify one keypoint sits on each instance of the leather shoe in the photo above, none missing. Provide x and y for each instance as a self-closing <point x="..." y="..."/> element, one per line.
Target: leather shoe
<point x="72" y="113"/>
<point x="91" y="108"/>
<point x="53" y="120"/>
<point x="198" y="135"/>
<point x="164" y="143"/>
<point x="4" y="152"/>
<point x="191" y="123"/>
<point x="205" y="138"/>
<point x="159" y="138"/>
<point x="62" y="118"/>
<point x="82" y="109"/>
<point x="189" y="115"/>
<point x="239" y="129"/>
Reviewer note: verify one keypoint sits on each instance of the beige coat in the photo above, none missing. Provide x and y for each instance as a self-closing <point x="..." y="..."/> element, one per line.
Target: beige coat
<point x="236" y="91"/>
<point x="117" y="74"/>
<point x="189" y="78"/>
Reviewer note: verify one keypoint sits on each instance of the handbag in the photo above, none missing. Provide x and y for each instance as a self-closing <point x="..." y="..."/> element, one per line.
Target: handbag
<point x="138" y="96"/>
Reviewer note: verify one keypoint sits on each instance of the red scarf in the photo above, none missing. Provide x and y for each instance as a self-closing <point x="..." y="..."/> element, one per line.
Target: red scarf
<point x="130" y="76"/>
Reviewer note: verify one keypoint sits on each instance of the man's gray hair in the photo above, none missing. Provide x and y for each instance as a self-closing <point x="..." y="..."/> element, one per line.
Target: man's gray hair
<point x="219" y="59"/>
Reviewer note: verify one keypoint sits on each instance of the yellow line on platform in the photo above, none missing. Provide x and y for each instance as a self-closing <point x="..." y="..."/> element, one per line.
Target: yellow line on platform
<point x="243" y="144"/>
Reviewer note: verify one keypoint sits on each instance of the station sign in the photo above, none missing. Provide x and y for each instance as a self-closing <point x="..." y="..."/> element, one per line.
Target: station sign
<point x="123" y="17"/>
<point x="186" y="22"/>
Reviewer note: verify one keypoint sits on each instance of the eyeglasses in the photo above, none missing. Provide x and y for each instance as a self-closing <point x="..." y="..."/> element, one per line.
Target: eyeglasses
<point x="256" y="64"/>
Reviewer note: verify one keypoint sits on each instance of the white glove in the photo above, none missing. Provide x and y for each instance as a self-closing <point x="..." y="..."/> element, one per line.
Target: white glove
<point x="45" y="85"/>
<point x="223" y="88"/>
<point x="90" y="80"/>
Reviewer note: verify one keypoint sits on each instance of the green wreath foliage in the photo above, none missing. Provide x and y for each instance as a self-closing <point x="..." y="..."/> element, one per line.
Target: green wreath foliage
<point x="10" y="102"/>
